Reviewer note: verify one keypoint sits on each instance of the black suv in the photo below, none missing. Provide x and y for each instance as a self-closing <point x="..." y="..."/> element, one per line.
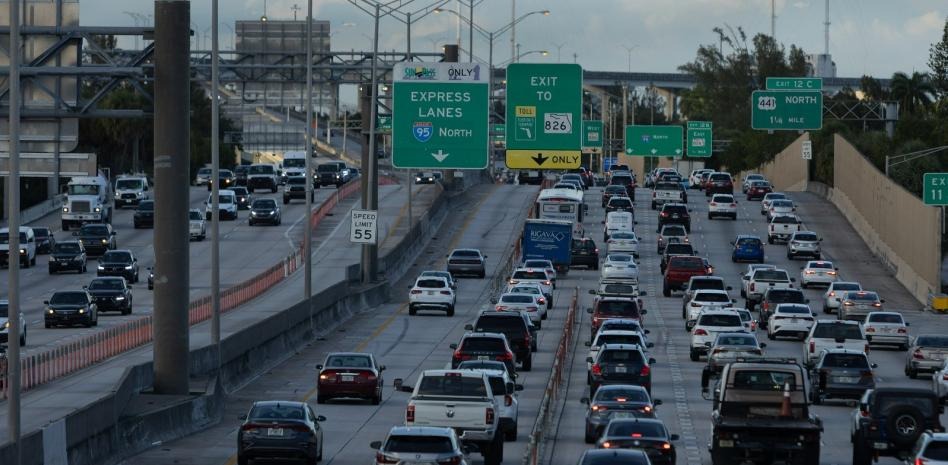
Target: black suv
<point x="620" y="364"/>
<point x="119" y="263"/>
<point x="240" y="175"/>
<point x="244" y="199"/>
<point x="584" y="252"/>
<point x="111" y="293"/>
<point x="68" y="255"/>
<point x="774" y="297"/>
<point x="674" y="213"/>
<point x="616" y="204"/>
<point x="45" y="240"/>
<point x="889" y="421"/>
<point x="484" y="346"/>
<point x="96" y="238"/>
<point x="144" y="214"/>
<point x="296" y="189"/>
<point x="520" y="332"/>
<point x="613" y="190"/>
<point x="626" y="181"/>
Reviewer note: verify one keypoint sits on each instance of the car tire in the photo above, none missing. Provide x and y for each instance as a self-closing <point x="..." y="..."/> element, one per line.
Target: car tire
<point x="377" y="399"/>
<point x="912" y="373"/>
<point x="493" y="453"/>
<point x="770" y="240"/>
<point x="88" y="323"/>
<point x="734" y="217"/>
<point x="527" y="364"/>
<point x="804" y="284"/>
<point x="23" y="338"/>
<point x="710" y="217"/>
<point x="861" y="454"/>
<point x="653" y="206"/>
<point x="47" y="325"/>
<point x="666" y="291"/>
<point x="450" y="311"/>
<point x="412" y="311"/>
<point x="241" y="460"/>
<point x="51" y="271"/>
<point x="743" y="293"/>
<point x="321" y="399"/>
<point x="482" y="275"/>
<point x="903" y="347"/>
<point x="589" y="439"/>
<point x="694" y="355"/>
<point x="771" y="336"/>
<point x="511" y="434"/>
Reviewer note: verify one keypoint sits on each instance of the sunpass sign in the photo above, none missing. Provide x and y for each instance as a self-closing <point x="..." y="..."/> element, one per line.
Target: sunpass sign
<point x="439" y="116"/>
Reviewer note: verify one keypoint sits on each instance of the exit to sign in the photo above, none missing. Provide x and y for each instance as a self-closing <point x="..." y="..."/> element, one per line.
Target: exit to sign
<point x="935" y="189"/>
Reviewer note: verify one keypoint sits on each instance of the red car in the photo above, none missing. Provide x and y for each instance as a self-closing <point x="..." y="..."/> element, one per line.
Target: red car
<point x="350" y="375"/>
<point x="679" y="270"/>
<point x="607" y="308"/>
<point x="719" y="183"/>
<point x="758" y="189"/>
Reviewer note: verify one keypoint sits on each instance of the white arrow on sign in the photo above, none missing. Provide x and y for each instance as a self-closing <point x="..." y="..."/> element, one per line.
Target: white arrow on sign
<point x="440" y="155"/>
<point x="654" y="151"/>
<point x="677" y="151"/>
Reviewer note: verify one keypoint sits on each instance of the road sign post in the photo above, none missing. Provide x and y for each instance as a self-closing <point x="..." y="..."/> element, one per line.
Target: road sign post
<point x="365" y="227"/>
<point x="699" y="138"/>
<point x="439" y="116"/>
<point x="544" y="116"/>
<point x="653" y="141"/>
<point x="784" y="110"/>
<point x="935" y="189"/>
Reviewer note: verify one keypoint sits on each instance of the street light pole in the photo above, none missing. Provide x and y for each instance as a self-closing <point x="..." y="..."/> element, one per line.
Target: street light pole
<point x="470" y="32"/>
<point x="13" y="207"/>
<point x="308" y="229"/>
<point x="215" y="190"/>
<point x="369" y="251"/>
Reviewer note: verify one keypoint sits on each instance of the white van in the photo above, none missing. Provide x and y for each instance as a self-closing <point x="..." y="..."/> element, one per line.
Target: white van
<point x="294" y="163"/>
<point x="227" y="200"/>
<point x="27" y="247"/>
<point x="618" y="221"/>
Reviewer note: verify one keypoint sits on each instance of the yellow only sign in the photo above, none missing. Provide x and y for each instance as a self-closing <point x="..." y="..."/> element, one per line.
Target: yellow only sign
<point x="543" y="159"/>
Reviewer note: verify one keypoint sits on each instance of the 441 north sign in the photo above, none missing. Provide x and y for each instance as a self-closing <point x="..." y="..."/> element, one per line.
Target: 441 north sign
<point x="439" y="116"/>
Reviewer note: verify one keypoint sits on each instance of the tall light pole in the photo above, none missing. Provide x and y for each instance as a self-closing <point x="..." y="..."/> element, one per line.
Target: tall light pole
<point x="559" y="47"/>
<point x="308" y="230"/>
<point x="215" y="189"/>
<point x="629" y="51"/>
<point x="13" y="221"/>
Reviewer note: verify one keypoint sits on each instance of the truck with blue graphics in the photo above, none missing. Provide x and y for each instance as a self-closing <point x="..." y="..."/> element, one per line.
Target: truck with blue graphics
<point x="548" y="240"/>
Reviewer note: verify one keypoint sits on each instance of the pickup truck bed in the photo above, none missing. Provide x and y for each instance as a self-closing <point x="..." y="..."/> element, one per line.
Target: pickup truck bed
<point x="765" y="437"/>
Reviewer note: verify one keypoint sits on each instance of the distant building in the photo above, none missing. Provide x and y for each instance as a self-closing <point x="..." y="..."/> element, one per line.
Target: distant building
<point x="821" y="65"/>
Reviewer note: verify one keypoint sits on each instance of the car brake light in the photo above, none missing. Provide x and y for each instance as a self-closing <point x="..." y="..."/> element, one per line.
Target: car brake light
<point x="752" y="287"/>
<point x="505" y="357"/>
<point x="918" y="354"/>
<point x="865" y="373"/>
<point x="532" y="309"/>
<point x="901" y="331"/>
<point x="636" y="435"/>
<point x="415" y="291"/>
<point x="944" y="376"/>
<point x="251" y="426"/>
<point x="547" y="283"/>
<point x="596" y="369"/>
<point x="733" y="205"/>
<point x="812" y="346"/>
<point x="606" y="445"/>
<point x="714" y="204"/>
<point x="602" y="408"/>
<point x="920" y="461"/>
<point x="866" y="349"/>
<point x="410" y="414"/>
<point x="456" y="460"/>
<point x="508" y="400"/>
<point x="832" y="293"/>
<point x="647" y="409"/>
<point x="382" y="458"/>
<point x="870" y="330"/>
<point x="500" y="308"/>
<point x="877" y="304"/>
<point x="445" y="292"/>
<point x="489" y="415"/>
<point x="700" y="332"/>
<point x="645" y="371"/>
<point x="541" y="300"/>
<point x="664" y="214"/>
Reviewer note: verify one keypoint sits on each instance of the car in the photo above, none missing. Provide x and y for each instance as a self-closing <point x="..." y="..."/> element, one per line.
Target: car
<point x="583" y="252"/>
<point x="530" y="289"/>
<point x="779" y="208"/>
<point x="775" y="296"/>
<point x="623" y="242"/>
<point x="930" y="449"/>
<point x="886" y="328"/>
<point x="620" y="364"/>
<point x="516" y="326"/>
<point x="616" y="401"/>
<point x="672" y="233"/>
<point x="793" y="320"/>
<point x="419" y="445"/>
<point x="484" y="346"/>
<point x="296" y="189"/>
<point x="203" y="176"/>
<point x="96" y="238"/>
<point x="722" y="205"/>
<point x="926" y="354"/>
<point x="694" y="179"/>
<point x="611" y="191"/>
<point x="708" y="324"/>
<point x="613" y="457"/>
<point x="782" y="228"/>
<point x="646" y="434"/>
<point x="770" y="197"/>
<point x="616" y="222"/>
<point x="467" y="261"/>
<point x="567" y="185"/>
<point x="431" y="293"/>
<point x="833" y="334"/>
<point x="621" y="324"/>
<point x="262" y="176"/>
<point x="5" y="324"/>
<point x="443" y="274"/>
<point x="804" y="243"/>
<point x="197" y="225"/>
<point x="617" y="204"/>
<point x="625" y="289"/>
<point x="244" y="197"/>
<point x="349" y="375"/>
<point x="616" y="336"/>
<point x="818" y="272"/>
<point x="540" y="263"/>
<point x="890" y="420"/>
<point x="620" y="266"/>
<point x="832" y="298"/>
<point x="855" y="305"/>
<point x="70" y="308"/>
<point x="729" y="347"/>
<point x="756" y="190"/>
<point x="531" y="177"/>
<point x="527" y="303"/>
<point x="227" y="205"/>
<point x="226" y="178"/>
<point x="841" y="374"/>
<point x="144" y="216"/>
<point x="749" y="178"/>
<point x="719" y="183"/>
<point x="700" y="283"/>
<point x="750" y="324"/>
<point x="279" y="429"/>
<point x="122" y="263"/>
<point x="940" y="382"/>
<point x="762" y="280"/>
<point x="265" y="211"/>
<point x="67" y="255"/>
<point x="505" y="392"/>
<point x="679" y="270"/>
<point x="425" y="177"/>
<point x="151" y="278"/>
<point x="606" y="308"/>
<point x="703" y="182"/>
<point x="704" y="299"/>
<point x="674" y="213"/>
<point x="537" y="276"/>
<point x="673" y="250"/>
<point x="747" y="274"/>
<point x="574" y="177"/>
<point x="627" y="181"/>
<point x="45" y="240"/>
<point x="240" y="175"/>
<point x="111" y="294"/>
<point x="130" y="190"/>
<point x="747" y="248"/>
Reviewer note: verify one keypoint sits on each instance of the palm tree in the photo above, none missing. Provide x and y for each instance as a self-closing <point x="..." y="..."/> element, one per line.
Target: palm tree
<point x="912" y="92"/>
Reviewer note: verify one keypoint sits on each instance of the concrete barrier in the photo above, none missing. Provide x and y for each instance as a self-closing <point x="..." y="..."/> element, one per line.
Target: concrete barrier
<point x="788" y="171"/>
<point x="38" y="211"/>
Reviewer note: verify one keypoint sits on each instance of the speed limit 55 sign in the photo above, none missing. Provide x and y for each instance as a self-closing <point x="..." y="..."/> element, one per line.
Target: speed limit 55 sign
<point x="365" y="227"/>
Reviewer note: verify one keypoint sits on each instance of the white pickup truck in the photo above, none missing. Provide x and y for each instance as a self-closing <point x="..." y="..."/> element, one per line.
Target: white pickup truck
<point x="782" y="227"/>
<point x="764" y="279"/>
<point x="459" y="399"/>
<point x="667" y="192"/>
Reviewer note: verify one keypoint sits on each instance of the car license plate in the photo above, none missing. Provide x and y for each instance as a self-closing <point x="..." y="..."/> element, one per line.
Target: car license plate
<point x="620" y="370"/>
<point x="430" y="292"/>
<point x="274" y="431"/>
<point x="622" y="415"/>
<point x="348" y="378"/>
<point x="879" y="445"/>
<point x="845" y="379"/>
<point x="794" y="320"/>
<point x="483" y="357"/>
<point x="725" y="443"/>
<point x="674" y="216"/>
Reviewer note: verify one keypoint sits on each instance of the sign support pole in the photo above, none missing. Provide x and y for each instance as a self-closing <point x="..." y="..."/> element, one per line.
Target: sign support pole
<point x="13" y="202"/>
<point x="370" y="201"/>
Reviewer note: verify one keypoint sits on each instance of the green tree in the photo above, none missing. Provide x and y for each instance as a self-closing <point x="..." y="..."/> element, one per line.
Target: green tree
<point x="938" y="63"/>
<point x="914" y="93"/>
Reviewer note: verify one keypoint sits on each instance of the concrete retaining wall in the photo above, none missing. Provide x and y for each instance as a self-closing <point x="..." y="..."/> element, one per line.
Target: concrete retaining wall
<point x="788" y="171"/>
<point x="37" y="211"/>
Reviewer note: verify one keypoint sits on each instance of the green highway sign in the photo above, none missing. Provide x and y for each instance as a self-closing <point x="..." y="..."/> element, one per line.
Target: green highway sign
<point x="498" y="132"/>
<point x="794" y="83"/>
<point x="792" y="110"/>
<point x="544" y="115"/>
<point x="653" y="141"/>
<point x="935" y="189"/>
<point x="699" y="138"/>
<point x="383" y="124"/>
<point x="592" y="134"/>
<point x="439" y="116"/>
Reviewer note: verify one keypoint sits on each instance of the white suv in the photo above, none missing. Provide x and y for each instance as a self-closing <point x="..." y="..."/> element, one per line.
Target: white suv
<point x="227" y="202"/>
<point x="197" y="225"/>
<point x="833" y="334"/>
<point x="707" y="327"/>
<point x="705" y="299"/>
<point x="431" y="293"/>
<point x="536" y="276"/>
<point x="790" y="320"/>
<point x="27" y="252"/>
<point x="722" y="205"/>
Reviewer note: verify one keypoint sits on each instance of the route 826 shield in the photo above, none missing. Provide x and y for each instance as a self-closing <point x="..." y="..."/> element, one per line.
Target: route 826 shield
<point x="365" y="227"/>
<point x="557" y="123"/>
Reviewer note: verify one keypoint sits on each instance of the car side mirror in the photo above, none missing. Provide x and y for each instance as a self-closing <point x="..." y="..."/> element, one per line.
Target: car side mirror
<point x="641" y="293"/>
<point x="650" y="345"/>
<point x="807" y="301"/>
<point x="648" y="331"/>
<point x="603" y="222"/>
<point x="587" y="344"/>
<point x="822" y="380"/>
<point x="651" y="361"/>
<point x="85" y="287"/>
<point x="399" y="384"/>
<point x="763" y="345"/>
<point x="469" y="327"/>
<point x="733" y="301"/>
<point x="319" y="366"/>
<point x="493" y="300"/>
<point x="707" y="344"/>
<point x="381" y="367"/>
<point x="814" y="313"/>
<point x="584" y="400"/>
<point x="793" y="280"/>
<point x="589" y="310"/>
<point x="729" y="288"/>
<point x="908" y="324"/>
<point x="375" y="444"/>
<point x="320" y="418"/>
<point x="745" y="278"/>
<point x="821" y="239"/>
<point x="45" y="302"/>
<point x="114" y="233"/>
<point x="874" y="365"/>
<point x="518" y="387"/>
<point x="453" y="346"/>
<point x="590" y="360"/>
<point x="593" y="292"/>
<point x="881" y="301"/>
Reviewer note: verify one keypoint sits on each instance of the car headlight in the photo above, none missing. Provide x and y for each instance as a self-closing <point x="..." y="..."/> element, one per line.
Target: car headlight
<point x="6" y="325"/>
<point x="50" y="311"/>
<point x="22" y="251"/>
<point x="120" y="297"/>
<point x="129" y="267"/>
<point x="82" y="310"/>
<point x="253" y="213"/>
<point x="65" y="209"/>
<point x="98" y="209"/>
<point x="101" y="267"/>
<point x="105" y="241"/>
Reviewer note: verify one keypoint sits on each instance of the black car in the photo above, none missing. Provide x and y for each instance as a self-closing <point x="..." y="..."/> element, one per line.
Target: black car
<point x="624" y="180"/>
<point x="620" y="364"/>
<point x="646" y="434"/>
<point x="296" y="189"/>
<point x="144" y="214"/>
<point x="280" y="430"/>
<point x="484" y="346"/>
<point x="119" y="263"/>
<point x="244" y="199"/>
<point x="265" y="211"/>
<point x="617" y="203"/>
<point x="70" y="308"/>
<point x="96" y="238"/>
<point x="583" y="252"/>
<point x="614" y="457"/>
<point x="227" y="180"/>
<point x="68" y="255"/>
<point x="520" y="332"/>
<point x="616" y="401"/>
<point x="841" y="374"/>
<point x="674" y="213"/>
<point x="151" y="278"/>
<point x="45" y="240"/>
<point x="111" y="294"/>
<point x="240" y="175"/>
<point x="612" y="190"/>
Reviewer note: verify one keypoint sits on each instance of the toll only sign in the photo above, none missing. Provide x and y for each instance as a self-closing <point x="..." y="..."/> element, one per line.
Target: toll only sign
<point x="365" y="227"/>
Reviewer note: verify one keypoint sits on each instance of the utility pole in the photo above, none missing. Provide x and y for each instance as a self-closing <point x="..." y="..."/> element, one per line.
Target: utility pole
<point x="295" y="8"/>
<point x="308" y="229"/>
<point x="513" y="30"/>
<point x="451" y="55"/>
<point x="370" y="186"/>
<point x="215" y="189"/>
<point x="13" y="221"/>
<point x="172" y="167"/>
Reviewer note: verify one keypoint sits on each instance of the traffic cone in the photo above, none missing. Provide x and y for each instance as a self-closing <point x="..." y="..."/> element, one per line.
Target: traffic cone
<point x="785" y="406"/>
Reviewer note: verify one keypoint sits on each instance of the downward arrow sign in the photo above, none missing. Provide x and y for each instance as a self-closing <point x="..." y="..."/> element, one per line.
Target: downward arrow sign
<point x="654" y="151"/>
<point x="540" y="159"/>
<point x="440" y="155"/>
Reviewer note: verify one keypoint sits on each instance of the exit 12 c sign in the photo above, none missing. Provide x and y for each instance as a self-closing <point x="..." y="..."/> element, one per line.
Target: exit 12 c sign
<point x="935" y="189"/>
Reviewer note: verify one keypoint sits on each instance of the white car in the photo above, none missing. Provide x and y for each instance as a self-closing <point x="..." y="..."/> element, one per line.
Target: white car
<point x="694" y="180"/>
<point x="623" y="324"/>
<point x="203" y="177"/>
<point x="833" y="334"/>
<point x="707" y="327"/>
<point x="818" y="272"/>
<point x="620" y="266"/>
<point x="529" y="289"/>
<point x="197" y="225"/>
<point x="769" y="198"/>
<point x="750" y="324"/>
<point x="722" y="205"/>
<point x="886" y="328"/>
<point x="227" y="205"/>
<point x="790" y="320"/>
<point x="5" y="324"/>
<point x="618" y="221"/>
<point x="615" y="336"/>
<point x="624" y="242"/>
<point x="671" y="233"/>
<point x="705" y="299"/>
<point x="804" y="243"/>
<point x="780" y="208"/>
<point x="940" y="381"/>
<point x="545" y="264"/>
<point x="431" y="293"/>
<point x="536" y="276"/>
<point x="443" y="274"/>
<point x="833" y="297"/>
<point x="746" y="275"/>
<point x="749" y="179"/>
<point x="526" y="303"/>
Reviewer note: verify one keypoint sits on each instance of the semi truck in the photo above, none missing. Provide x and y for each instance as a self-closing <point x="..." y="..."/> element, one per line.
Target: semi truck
<point x="88" y="200"/>
<point x="548" y="240"/>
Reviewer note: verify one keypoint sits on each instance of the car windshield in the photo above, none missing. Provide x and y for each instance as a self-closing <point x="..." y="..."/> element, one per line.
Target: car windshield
<point x="524" y="274"/>
<point x="117" y="257"/>
<point x="763" y="380"/>
<point x="4" y="310"/>
<point x="722" y="198"/>
<point x="771" y="276"/>
<point x="482" y="365"/>
<point x="615" y="189"/>
<point x="204" y="171"/>
<point x="69" y="298"/>
<point x="605" y="394"/>
<point x="621" y="325"/>
<point x="264" y="204"/>
<point x="419" y="444"/>
<point x="5" y="238"/>
<point x="845" y="361"/>
<point x="349" y="361"/>
<point x="194" y="215"/>
<point x="679" y="249"/>
<point x="66" y="247"/>
<point x="720" y="320"/>
<point x="754" y="177"/>
<point x="106" y="285"/>
<point x="620" y="202"/>
<point x="276" y="412"/>
<point x="626" y="308"/>
<point x="636" y="429"/>
<point x="885" y="318"/>
<point x="431" y="283"/>
<point x="837" y="330"/>
<point x="932" y="341"/>
<point x="224" y="198"/>
<point x="129" y="184"/>
<point x="805" y="237"/>
<point x="734" y="340"/>
<point x="452" y="385"/>
<point x="775" y="196"/>
<point x="699" y="283"/>
<point x="760" y="184"/>
<point x="792" y="296"/>
<point x="516" y="299"/>
<point x="294" y="162"/>
<point x="440" y="274"/>
<point x="846" y="286"/>
<point x="483" y="344"/>
<point x="720" y="177"/>
<point x="675" y="210"/>
<point x="618" y="339"/>
<point x="712" y="297"/>
<point x="94" y="230"/>
<point x="260" y="169"/>
<point x="240" y="190"/>
<point x="327" y="168"/>
<point x="785" y="220"/>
